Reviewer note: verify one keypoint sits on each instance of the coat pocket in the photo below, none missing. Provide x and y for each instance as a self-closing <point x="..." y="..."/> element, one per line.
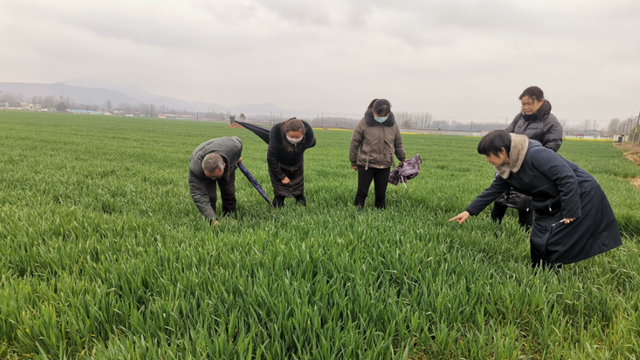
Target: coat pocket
<point x="369" y="145"/>
<point x="542" y="234"/>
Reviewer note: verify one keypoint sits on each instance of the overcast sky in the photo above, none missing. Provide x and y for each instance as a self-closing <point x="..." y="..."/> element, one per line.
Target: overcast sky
<point x="458" y="59"/>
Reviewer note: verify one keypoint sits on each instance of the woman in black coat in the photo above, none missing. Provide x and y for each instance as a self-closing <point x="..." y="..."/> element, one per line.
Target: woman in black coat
<point x="287" y="143"/>
<point x="538" y="123"/>
<point x="573" y="218"/>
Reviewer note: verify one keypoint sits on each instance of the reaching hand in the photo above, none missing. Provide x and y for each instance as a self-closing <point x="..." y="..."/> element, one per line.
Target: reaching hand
<point x="461" y="217"/>
<point x="566" y="221"/>
<point x="214" y="223"/>
<point x="286" y="180"/>
<point x="355" y="168"/>
<point x="239" y="160"/>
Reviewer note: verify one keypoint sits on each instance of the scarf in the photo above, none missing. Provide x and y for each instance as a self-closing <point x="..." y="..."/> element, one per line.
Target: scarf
<point x="519" y="146"/>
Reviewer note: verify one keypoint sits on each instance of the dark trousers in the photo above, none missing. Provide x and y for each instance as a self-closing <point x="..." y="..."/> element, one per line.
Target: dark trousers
<point x="278" y="201"/>
<point x="380" y="178"/>
<point x="537" y="262"/>
<point x="227" y="193"/>
<point x="525" y="218"/>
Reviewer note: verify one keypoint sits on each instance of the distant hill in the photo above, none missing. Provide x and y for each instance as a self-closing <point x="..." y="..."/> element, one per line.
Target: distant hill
<point x="87" y="91"/>
<point x="78" y="94"/>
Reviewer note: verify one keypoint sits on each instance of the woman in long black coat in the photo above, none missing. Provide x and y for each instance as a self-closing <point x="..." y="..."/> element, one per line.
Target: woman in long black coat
<point x="287" y="142"/>
<point x="537" y="122"/>
<point x="573" y="218"/>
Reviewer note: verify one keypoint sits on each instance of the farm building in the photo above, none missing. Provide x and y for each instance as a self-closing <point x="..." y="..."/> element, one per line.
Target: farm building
<point x="619" y="137"/>
<point x="592" y="134"/>
<point x="589" y="134"/>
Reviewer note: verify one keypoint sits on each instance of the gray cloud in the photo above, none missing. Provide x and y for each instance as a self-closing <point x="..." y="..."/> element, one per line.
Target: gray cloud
<point x="455" y="58"/>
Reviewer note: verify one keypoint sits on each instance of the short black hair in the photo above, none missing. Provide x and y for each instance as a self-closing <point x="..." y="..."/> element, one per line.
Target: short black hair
<point x="533" y="92"/>
<point x="493" y="142"/>
<point x="381" y="107"/>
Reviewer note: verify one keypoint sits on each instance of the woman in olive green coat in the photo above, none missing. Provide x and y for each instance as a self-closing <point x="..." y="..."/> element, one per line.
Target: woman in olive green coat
<point x="374" y="142"/>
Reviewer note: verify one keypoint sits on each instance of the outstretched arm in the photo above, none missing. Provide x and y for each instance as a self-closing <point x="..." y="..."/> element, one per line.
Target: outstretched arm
<point x="489" y="195"/>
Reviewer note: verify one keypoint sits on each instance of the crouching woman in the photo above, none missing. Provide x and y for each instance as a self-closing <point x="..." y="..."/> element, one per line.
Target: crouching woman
<point x="287" y="144"/>
<point x="573" y="220"/>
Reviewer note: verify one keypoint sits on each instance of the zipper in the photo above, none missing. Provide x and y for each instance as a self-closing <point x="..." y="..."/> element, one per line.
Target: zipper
<point x="381" y="142"/>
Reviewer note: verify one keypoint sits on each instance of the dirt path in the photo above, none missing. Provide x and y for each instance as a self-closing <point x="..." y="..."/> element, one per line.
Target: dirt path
<point x="632" y="152"/>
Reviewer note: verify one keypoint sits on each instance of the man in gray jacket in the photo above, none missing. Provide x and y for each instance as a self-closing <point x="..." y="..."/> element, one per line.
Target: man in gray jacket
<point x="214" y="162"/>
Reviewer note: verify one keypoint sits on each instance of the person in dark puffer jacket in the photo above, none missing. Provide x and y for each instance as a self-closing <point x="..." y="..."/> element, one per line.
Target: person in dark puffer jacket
<point x="287" y="143"/>
<point x="538" y="123"/>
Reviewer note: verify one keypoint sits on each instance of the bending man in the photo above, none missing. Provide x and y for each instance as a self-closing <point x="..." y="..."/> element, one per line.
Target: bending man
<point x="214" y="162"/>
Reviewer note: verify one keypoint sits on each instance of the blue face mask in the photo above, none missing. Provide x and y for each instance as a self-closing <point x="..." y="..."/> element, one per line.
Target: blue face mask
<point x="380" y="119"/>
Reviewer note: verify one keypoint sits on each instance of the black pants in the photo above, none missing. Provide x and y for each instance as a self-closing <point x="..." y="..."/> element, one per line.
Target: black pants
<point x="537" y="262"/>
<point x="278" y="201"/>
<point x="525" y="218"/>
<point x="380" y="178"/>
<point x="227" y="193"/>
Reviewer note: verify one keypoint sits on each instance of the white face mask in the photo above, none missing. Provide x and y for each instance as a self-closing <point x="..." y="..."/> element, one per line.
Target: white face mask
<point x="380" y="119"/>
<point x="294" y="141"/>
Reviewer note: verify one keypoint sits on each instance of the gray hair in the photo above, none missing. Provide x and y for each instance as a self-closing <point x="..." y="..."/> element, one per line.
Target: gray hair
<point x="211" y="162"/>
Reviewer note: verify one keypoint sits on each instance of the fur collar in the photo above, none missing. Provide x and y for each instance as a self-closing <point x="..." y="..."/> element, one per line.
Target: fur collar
<point x="519" y="146"/>
<point x="368" y="118"/>
<point x="278" y="136"/>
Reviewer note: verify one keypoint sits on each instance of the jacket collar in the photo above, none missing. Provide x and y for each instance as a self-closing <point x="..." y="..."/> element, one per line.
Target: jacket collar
<point x="519" y="146"/>
<point x="541" y="114"/>
<point x="368" y="118"/>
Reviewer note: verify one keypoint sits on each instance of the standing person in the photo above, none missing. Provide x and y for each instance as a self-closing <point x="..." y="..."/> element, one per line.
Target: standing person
<point x="214" y="163"/>
<point x="287" y="142"/>
<point x="374" y="142"/>
<point x="538" y="123"/>
<point x="573" y="218"/>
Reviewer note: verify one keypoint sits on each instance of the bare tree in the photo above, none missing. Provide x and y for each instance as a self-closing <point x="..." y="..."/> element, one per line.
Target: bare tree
<point x="108" y="105"/>
<point x="49" y="102"/>
<point x="5" y="96"/>
<point x="406" y="124"/>
<point x="614" y="124"/>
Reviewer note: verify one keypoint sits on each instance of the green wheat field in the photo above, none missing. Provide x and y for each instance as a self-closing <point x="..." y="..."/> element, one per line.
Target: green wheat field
<point x="104" y="255"/>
